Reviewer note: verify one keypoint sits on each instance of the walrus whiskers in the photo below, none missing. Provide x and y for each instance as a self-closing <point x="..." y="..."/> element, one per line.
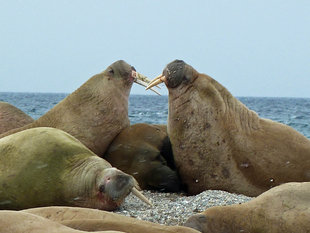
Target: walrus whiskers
<point x="139" y="195"/>
<point x="159" y="79"/>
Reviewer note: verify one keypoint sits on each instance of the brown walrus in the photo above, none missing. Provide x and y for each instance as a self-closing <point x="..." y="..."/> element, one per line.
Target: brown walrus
<point x="95" y="220"/>
<point x="47" y="166"/>
<point x="218" y="143"/>
<point x="17" y="221"/>
<point x="97" y="111"/>
<point x="144" y="151"/>
<point x="285" y="208"/>
<point x="12" y="117"/>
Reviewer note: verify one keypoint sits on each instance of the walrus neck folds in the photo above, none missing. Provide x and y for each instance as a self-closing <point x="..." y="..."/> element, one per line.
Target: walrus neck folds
<point x="230" y="109"/>
<point x="82" y="174"/>
<point x="235" y="110"/>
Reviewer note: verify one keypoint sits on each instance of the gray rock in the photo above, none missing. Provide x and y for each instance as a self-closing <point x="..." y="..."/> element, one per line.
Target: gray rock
<point x="176" y="208"/>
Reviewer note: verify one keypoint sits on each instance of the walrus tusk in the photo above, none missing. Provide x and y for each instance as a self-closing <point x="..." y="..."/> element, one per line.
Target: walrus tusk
<point x="140" y="196"/>
<point x="142" y="80"/>
<point x="141" y="77"/>
<point x="142" y="84"/>
<point x="159" y="79"/>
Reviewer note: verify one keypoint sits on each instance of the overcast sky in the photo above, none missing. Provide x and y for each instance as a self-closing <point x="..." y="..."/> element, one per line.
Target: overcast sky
<point x="253" y="48"/>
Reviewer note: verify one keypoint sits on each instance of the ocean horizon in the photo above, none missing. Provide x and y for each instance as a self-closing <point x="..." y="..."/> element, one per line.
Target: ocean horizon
<point x="153" y="109"/>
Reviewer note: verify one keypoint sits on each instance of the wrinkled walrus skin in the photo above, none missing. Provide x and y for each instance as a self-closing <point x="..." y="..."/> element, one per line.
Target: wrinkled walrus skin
<point x="47" y="166"/>
<point x="18" y="222"/>
<point x="144" y="151"/>
<point x="95" y="220"/>
<point x="285" y="208"/>
<point x="96" y="112"/>
<point x="12" y="117"/>
<point x="218" y="143"/>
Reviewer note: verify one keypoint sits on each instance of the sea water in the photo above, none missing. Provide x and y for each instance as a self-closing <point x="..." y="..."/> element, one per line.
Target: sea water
<point x="294" y="112"/>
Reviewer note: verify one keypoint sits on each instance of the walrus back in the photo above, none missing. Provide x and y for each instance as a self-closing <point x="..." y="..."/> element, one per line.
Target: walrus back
<point x="41" y="122"/>
<point x="12" y="117"/>
<point x="16" y="130"/>
<point x="33" y="161"/>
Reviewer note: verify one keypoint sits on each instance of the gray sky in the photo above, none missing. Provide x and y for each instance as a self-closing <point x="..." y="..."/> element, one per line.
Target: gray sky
<point x="253" y="48"/>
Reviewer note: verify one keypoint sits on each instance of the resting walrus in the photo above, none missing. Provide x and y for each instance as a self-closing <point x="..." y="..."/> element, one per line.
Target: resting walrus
<point x="97" y="220"/>
<point x="218" y="143"/>
<point x="18" y="222"/>
<point x="11" y="117"/>
<point x="285" y="208"/>
<point x="97" y="111"/>
<point x="47" y="166"/>
<point x="144" y="151"/>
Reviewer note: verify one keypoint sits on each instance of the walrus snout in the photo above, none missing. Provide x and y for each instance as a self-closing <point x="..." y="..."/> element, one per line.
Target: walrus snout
<point x="174" y="74"/>
<point x="118" y="181"/>
<point x="116" y="184"/>
<point x="121" y="183"/>
<point x="128" y="73"/>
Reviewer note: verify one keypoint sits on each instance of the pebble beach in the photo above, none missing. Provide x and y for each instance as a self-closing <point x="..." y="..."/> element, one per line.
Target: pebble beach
<point x="175" y="208"/>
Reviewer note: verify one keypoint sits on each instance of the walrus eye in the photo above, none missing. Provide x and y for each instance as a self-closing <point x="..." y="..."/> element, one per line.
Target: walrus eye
<point x="111" y="71"/>
<point x="101" y="188"/>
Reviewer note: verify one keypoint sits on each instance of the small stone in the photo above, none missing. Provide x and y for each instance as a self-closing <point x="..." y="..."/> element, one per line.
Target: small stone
<point x="176" y="208"/>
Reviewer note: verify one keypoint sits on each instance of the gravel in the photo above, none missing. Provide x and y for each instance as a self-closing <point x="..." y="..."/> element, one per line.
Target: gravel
<point x="176" y="208"/>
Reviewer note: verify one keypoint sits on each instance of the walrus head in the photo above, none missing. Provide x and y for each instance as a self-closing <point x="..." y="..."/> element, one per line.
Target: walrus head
<point x="175" y="73"/>
<point x="96" y="184"/>
<point x="122" y="70"/>
<point x="113" y="185"/>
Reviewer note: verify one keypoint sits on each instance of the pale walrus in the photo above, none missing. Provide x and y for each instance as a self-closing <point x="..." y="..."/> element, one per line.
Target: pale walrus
<point x="47" y="166"/>
<point x="218" y="143"/>
<point x="17" y="221"/>
<point x="97" y="111"/>
<point x="12" y="117"/>
<point x="96" y="220"/>
<point x="285" y="208"/>
<point x="144" y="151"/>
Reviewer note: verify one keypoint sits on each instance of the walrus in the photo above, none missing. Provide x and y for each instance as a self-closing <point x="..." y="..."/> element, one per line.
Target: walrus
<point x="144" y="151"/>
<point x="97" y="220"/>
<point x="17" y="221"/>
<point x="12" y="117"/>
<point x="285" y="208"/>
<point x="97" y="111"/>
<point x="47" y="166"/>
<point x="218" y="143"/>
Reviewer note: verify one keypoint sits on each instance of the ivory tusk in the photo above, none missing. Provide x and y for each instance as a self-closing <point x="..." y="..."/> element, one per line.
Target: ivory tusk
<point x="142" y="84"/>
<point x="142" y="80"/>
<point x="140" y="196"/>
<point x="159" y="79"/>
